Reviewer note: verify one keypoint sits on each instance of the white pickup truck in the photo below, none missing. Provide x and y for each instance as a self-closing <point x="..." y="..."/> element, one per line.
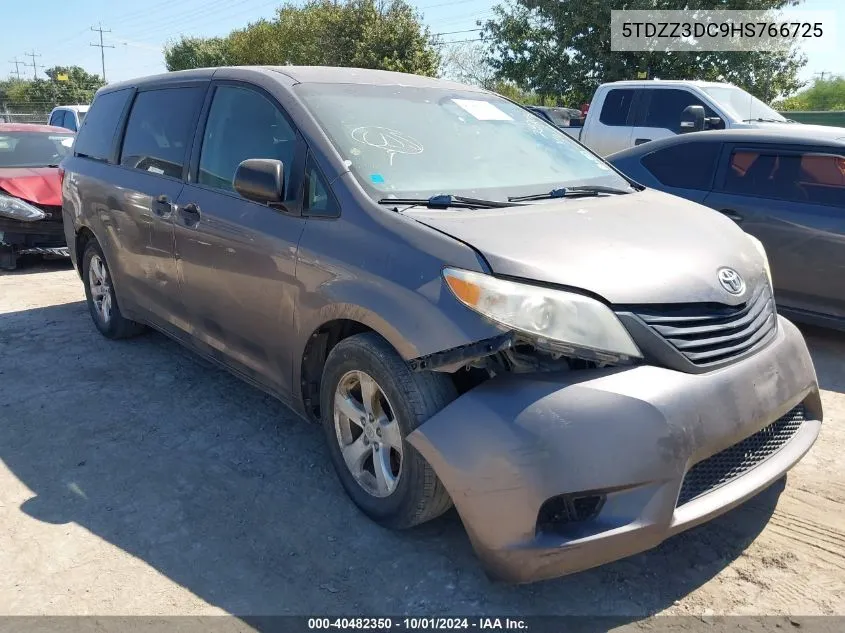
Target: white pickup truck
<point x="627" y="113"/>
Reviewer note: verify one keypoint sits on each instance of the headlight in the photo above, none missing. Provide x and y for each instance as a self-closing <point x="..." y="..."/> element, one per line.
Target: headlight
<point x="563" y="320"/>
<point x="19" y="210"/>
<point x="762" y="250"/>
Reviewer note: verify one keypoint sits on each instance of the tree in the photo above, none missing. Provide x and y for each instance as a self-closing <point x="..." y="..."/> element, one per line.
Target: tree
<point x="467" y="63"/>
<point x="824" y="94"/>
<point x="196" y="52"/>
<point x="386" y="35"/>
<point x="562" y="47"/>
<point x="41" y="95"/>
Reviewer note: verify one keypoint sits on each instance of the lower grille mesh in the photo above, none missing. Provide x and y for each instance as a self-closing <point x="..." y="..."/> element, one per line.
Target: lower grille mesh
<point x="738" y="459"/>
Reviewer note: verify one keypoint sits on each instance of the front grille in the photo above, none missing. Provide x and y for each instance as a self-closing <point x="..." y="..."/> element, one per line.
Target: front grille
<point x="736" y="460"/>
<point x="709" y="334"/>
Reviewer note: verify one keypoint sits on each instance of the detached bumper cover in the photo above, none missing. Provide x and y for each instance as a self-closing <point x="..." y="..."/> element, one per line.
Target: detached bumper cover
<point x="630" y="434"/>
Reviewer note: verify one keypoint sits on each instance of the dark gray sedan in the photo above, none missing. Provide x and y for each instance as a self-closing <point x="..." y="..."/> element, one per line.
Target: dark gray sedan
<point x="785" y="187"/>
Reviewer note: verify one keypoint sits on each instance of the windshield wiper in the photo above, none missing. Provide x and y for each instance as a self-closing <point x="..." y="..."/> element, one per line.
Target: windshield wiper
<point x="569" y="192"/>
<point x="444" y="201"/>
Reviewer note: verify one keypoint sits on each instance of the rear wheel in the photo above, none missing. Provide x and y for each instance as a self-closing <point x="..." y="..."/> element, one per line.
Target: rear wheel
<point x="99" y="291"/>
<point x="370" y="402"/>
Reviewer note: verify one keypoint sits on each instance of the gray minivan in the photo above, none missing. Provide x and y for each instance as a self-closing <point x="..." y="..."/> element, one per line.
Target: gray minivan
<point x="477" y="309"/>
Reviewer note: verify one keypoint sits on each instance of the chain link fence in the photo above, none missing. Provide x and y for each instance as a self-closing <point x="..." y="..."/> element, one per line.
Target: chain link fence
<point x="11" y="112"/>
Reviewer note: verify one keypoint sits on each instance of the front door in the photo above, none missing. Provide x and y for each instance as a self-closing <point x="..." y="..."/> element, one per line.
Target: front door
<point x="237" y="258"/>
<point x="660" y="111"/>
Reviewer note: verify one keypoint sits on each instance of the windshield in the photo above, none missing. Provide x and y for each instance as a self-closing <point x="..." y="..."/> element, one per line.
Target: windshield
<point x="419" y="142"/>
<point x="33" y="149"/>
<point x="740" y="105"/>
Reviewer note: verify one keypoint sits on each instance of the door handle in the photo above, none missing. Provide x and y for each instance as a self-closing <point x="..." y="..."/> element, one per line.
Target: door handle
<point x="162" y="207"/>
<point x="733" y="215"/>
<point x="191" y="214"/>
<point x="640" y="141"/>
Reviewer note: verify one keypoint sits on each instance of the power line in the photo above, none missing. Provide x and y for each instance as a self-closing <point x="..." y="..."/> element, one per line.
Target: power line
<point x="35" y="66"/>
<point x="477" y="40"/>
<point x="102" y="46"/>
<point x="454" y="32"/>
<point x="17" y="64"/>
<point x="821" y="74"/>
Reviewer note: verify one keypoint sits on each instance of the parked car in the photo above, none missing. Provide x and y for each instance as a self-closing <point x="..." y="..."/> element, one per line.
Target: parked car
<point x="559" y="117"/>
<point x="68" y="116"/>
<point x="30" y="191"/>
<point x="477" y="310"/>
<point x="624" y="114"/>
<point x="786" y="187"/>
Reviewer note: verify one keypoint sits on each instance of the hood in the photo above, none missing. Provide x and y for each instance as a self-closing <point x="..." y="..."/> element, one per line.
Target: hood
<point x="40" y="185"/>
<point x="646" y="247"/>
<point x="806" y="128"/>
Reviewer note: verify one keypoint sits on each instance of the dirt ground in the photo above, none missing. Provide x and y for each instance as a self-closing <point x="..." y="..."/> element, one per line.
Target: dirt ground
<point x="137" y="479"/>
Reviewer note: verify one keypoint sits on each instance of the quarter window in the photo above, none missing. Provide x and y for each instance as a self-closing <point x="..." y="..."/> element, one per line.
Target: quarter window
<point x="97" y="136"/>
<point x="159" y="130"/>
<point x="815" y="177"/>
<point x="318" y="197"/>
<point x="243" y="124"/>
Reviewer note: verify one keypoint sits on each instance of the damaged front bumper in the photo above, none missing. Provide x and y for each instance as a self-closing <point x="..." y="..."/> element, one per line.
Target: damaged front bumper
<point x="556" y="473"/>
<point x="43" y="237"/>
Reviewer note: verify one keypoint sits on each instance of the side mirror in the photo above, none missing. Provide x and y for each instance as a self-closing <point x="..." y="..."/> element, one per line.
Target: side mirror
<point x="261" y="180"/>
<point x="714" y="123"/>
<point x="692" y="119"/>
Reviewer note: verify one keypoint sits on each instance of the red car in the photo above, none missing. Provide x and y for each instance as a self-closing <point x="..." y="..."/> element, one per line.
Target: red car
<point x="31" y="190"/>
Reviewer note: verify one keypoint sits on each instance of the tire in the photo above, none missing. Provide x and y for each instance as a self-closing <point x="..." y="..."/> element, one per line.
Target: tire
<point x="406" y="399"/>
<point x="115" y="326"/>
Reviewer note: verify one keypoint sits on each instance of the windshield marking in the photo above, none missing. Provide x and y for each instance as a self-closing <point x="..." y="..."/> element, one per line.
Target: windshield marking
<point x="390" y="141"/>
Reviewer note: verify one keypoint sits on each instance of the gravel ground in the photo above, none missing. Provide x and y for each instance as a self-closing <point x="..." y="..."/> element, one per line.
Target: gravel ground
<point x="137" y="479"/>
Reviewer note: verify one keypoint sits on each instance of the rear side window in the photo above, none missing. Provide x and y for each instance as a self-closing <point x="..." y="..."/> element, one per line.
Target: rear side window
<point x="666" y="105"/>
<point x="684" y="165"/>
<point x="616" y="106"/>
<point x="814" y="177"/>
<point x="97" y="135"/>
<point x="160" y="127"/>
<point x="70" y="120"/>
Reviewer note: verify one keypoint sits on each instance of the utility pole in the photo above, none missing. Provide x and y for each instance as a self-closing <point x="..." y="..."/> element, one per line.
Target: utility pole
<point x="33" y="55"/>
<point x="822" y="74"/>
<point x="17" y="64"/>
<point x="102" y="46"/>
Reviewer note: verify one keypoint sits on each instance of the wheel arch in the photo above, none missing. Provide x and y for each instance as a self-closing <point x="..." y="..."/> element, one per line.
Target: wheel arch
<point x="324" y="338"/>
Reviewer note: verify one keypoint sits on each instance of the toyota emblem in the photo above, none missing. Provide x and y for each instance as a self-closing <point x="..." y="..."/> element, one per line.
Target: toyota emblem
<point x="731" y="281"/>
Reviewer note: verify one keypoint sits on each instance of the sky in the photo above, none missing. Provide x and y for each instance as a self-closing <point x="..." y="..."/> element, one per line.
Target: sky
<point x="59" y="32"/>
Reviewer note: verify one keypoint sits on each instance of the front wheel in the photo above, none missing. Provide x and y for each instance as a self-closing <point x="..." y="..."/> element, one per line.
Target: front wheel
<point x="370" y="402"/>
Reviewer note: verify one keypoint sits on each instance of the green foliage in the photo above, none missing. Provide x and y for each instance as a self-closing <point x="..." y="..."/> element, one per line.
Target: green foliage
<point x="562" y="48"/>
<point x="824" y="94"/>
<point x="40" y="95"/>
<point x="386" y="35"/>
<point x="196" y="52"/>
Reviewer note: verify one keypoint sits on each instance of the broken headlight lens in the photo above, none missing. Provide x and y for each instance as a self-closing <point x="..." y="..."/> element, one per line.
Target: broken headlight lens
<point x="19" y="210"/>
<point x="553" y="317"/>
